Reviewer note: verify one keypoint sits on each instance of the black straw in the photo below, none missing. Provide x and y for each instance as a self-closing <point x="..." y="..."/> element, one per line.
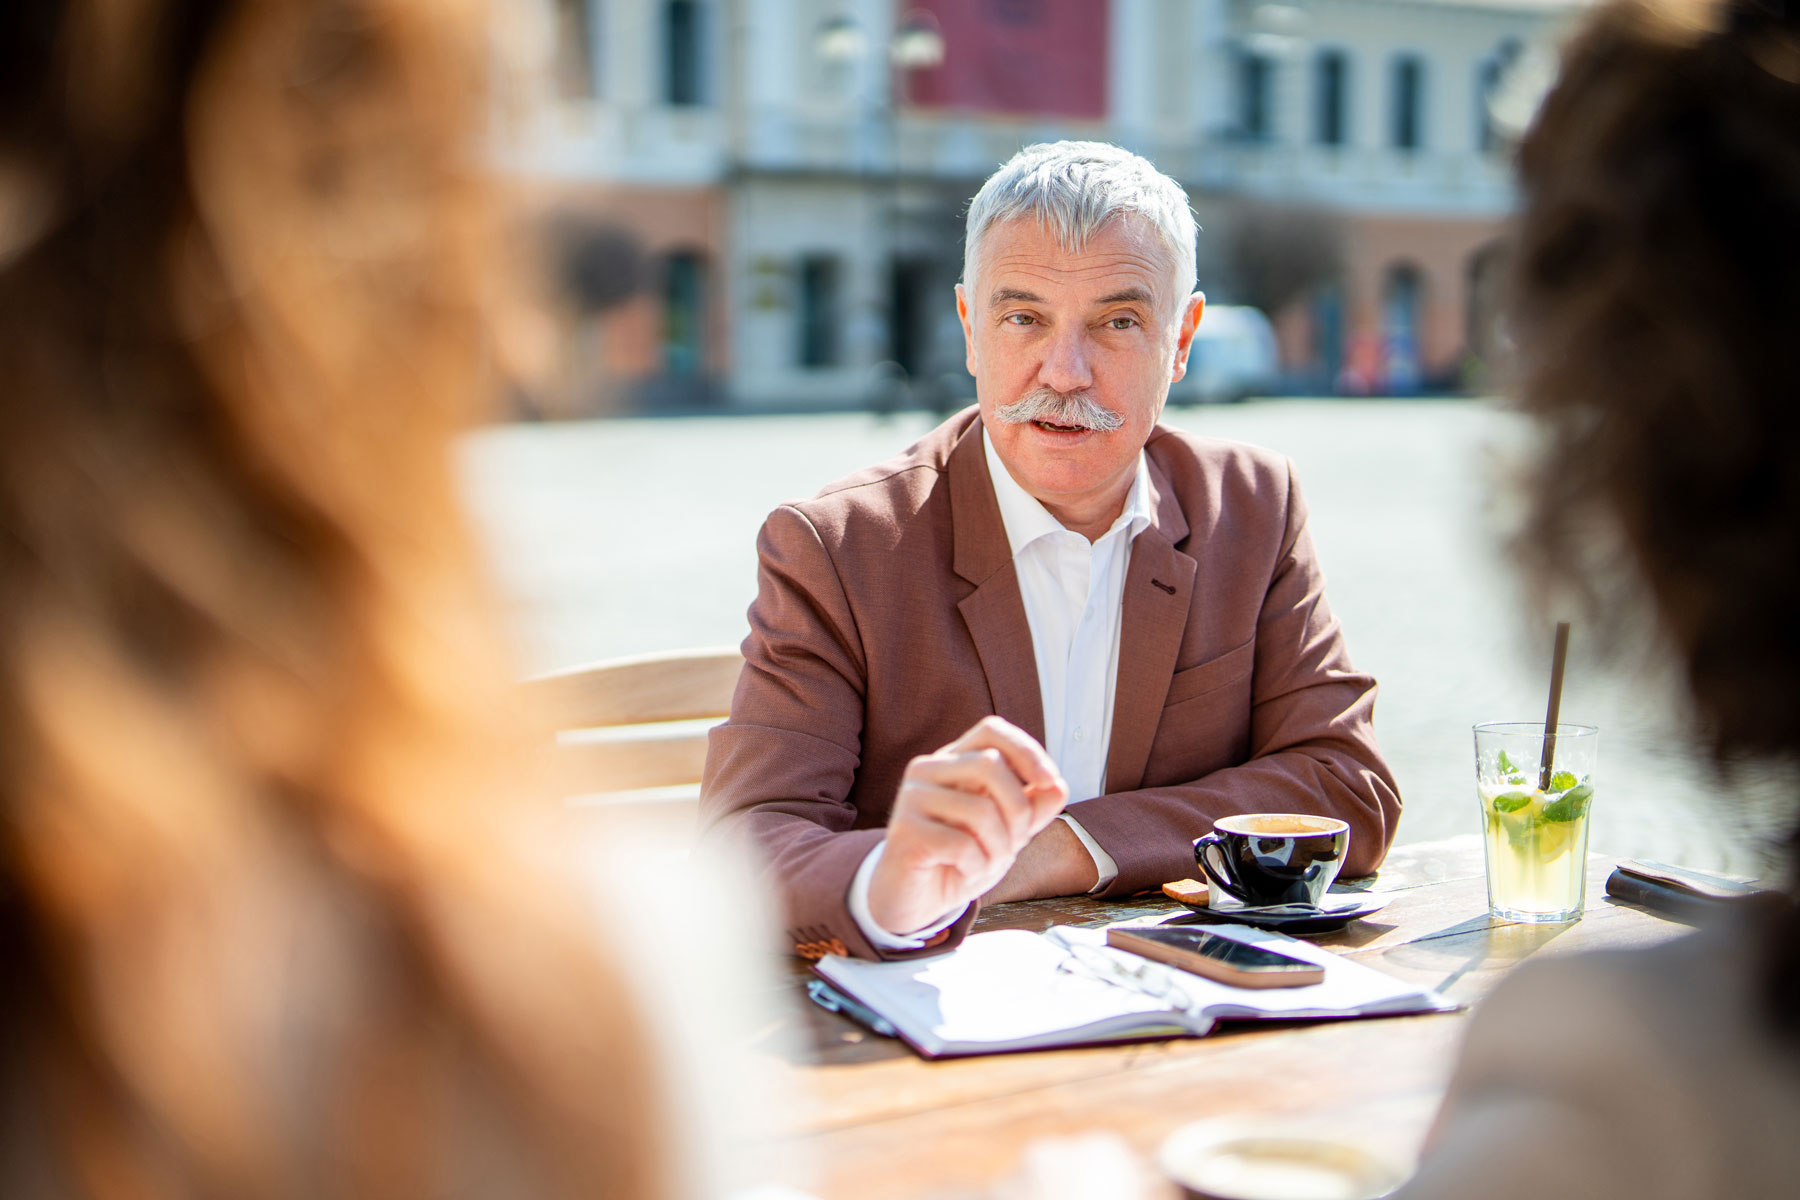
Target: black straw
<point x="1558" y="657"/>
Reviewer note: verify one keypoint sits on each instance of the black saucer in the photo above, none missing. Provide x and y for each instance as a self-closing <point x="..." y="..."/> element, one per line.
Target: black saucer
<point x="1327" y="920"/>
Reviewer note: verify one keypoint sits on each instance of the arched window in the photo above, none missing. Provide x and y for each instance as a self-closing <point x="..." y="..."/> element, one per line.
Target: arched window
<point x="1402" y="305"/>
<point x="684" y="313"/>
<point x="1328" y="329"/>
<point x="819" y="311"/>
<point x="1486" y="280"/>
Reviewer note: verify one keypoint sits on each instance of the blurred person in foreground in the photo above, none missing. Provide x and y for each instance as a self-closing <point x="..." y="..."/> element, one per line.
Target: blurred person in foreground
<point x="1656" y="307"/>
<point x="1040" y="651"/>
<point x="271" y="920"/>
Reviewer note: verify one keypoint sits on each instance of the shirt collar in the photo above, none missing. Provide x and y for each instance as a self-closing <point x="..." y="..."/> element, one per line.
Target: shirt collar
<point x="1027" y="520"/>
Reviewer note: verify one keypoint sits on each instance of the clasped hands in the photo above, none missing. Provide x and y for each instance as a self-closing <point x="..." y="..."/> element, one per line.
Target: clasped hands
<point x="977" y="818"/>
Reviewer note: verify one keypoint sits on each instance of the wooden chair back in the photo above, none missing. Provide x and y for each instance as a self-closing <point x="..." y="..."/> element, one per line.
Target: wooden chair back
<point x="635" y="728"/>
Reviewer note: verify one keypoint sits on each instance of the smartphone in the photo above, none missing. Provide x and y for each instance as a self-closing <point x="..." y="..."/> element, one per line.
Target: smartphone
<point x="1217" y="957"/>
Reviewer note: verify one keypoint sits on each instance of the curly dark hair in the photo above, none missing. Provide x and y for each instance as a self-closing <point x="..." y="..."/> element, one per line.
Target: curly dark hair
<point x="1656" y="306"/>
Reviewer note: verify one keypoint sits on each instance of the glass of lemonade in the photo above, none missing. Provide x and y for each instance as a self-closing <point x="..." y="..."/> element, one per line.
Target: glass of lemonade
<point x="1536" y="836"/>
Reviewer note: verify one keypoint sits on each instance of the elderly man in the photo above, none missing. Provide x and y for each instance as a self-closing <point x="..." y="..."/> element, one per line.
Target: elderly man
<point x="1043" y="649"/>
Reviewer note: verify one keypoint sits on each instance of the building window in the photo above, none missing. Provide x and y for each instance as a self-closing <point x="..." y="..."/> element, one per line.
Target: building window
<point x="1328" y="330"/>
<point x="1330" y="78"/>
<point x="1408" y="103"/>
<point x="1485" y="287"/>
<point x="819" y="311"/>
<point x="575" y="49"/>
<point x="682" y="51"/>
<point x="1487" y="80"/>
<point x="1255" y="97"/>
<point x="1402" y="300"/>
<point x="684" y="313"/>
<point x="1488" y="76"/>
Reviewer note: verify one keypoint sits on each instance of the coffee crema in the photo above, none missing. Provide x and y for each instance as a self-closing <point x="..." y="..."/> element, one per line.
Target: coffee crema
<point x="1266" y="824"/>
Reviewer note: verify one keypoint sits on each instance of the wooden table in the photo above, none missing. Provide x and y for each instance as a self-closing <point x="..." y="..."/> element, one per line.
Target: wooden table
<point x="884" y="1123"/>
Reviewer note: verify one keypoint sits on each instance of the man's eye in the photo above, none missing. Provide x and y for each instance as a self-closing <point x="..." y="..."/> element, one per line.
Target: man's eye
<point x="1121" y="322"/>
<point x="1020" y="319"/>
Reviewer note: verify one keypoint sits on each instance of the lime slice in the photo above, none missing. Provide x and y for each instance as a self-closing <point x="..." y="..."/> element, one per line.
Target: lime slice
<point x="1553" y="839"/>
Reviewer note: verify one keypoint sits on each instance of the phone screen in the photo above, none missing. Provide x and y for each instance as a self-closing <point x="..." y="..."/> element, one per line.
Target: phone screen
<point x="1223" y="949"/>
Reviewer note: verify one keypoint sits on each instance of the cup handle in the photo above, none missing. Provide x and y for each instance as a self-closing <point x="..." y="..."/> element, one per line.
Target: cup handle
<point x="1216" y="875"/>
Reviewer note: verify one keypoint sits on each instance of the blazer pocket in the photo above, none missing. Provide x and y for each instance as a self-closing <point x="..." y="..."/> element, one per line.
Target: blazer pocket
<point x="1213" y="674"/>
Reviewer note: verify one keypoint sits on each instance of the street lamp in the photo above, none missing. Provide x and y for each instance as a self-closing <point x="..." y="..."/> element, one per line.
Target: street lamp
<point x="1277" y="30"/>
<point x="841" y="39"/>
<point x="914" y="43"/>
<point x="917" y="44"/>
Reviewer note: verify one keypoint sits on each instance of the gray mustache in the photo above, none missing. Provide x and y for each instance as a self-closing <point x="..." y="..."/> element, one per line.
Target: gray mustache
<point x="1055" y="408"/>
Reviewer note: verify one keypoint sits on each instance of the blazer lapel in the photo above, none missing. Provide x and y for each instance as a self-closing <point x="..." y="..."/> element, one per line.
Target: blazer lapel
<point x="1159" y="586"/>
<point x="994" y="611"/>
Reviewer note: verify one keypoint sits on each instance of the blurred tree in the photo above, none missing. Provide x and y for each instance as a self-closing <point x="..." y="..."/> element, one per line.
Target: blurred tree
<point x="596" y="264"/>
<point x="1270" y="254"/>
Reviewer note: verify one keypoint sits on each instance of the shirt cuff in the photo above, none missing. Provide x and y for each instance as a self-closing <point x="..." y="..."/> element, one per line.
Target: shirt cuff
<point x="1103" y="862"/>
<point x="880" y="938"/>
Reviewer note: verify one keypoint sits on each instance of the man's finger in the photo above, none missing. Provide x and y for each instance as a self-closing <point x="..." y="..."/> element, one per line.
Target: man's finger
<point x="973" y="816"/>
<point x="946" y="855"/>
<point x="985" y="773"/>
<point x="1046" y="802"/>
<point x="1029" y="760"/>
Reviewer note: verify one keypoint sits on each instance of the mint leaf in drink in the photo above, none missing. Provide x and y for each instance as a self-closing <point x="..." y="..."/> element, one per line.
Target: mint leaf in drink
<point x="1572" y="806"/>
<point x="1511" y="802"/>
<point x="1562" y="781"/>
<point x="1506" y="765"/>
<point x="1523" y="834"/>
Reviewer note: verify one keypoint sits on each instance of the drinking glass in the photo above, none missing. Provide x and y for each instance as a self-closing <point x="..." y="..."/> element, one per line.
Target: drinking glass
<point x="1535" y="829"/>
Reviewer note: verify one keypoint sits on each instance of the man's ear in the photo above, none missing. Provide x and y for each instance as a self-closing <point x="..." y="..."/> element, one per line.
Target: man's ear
<point x="1184" y="339"/>
<point x="962" y="314"/>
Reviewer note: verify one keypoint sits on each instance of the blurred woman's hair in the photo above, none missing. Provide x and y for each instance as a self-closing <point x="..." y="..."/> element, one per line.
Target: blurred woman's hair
<point x="267" y="927"/>
<point x="1656" y="306"/>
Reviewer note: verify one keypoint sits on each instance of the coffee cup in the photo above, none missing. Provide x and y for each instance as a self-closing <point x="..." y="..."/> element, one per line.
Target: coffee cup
<point x="1274" y="858"/>
<point x="1246" y="1159"/>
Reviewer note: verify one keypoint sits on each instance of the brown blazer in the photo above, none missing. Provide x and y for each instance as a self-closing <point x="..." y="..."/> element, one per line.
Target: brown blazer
<point x="888" y="621"/>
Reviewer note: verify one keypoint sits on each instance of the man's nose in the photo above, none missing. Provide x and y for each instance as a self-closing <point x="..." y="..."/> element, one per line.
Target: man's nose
<point x="1065" y="367"/>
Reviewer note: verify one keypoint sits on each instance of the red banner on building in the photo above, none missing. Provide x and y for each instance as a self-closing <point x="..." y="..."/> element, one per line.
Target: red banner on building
<point x="1030" y="57"/>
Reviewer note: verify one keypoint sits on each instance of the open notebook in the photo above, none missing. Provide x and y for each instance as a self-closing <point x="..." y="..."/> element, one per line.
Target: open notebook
<point x="1014" y="990"/>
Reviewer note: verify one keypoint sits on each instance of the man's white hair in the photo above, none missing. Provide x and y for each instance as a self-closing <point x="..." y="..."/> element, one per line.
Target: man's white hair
<point x="1075" y="188"/>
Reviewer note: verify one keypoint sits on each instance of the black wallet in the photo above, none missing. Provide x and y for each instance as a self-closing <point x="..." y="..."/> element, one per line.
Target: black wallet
<point x="1678" y="892"/>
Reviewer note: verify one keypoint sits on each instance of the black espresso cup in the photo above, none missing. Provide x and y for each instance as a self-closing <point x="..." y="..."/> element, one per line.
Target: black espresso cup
<point x="1274" y="858"/>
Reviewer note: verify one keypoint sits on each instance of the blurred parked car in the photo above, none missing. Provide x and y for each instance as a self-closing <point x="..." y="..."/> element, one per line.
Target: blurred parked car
<point x="1233" y="356"/>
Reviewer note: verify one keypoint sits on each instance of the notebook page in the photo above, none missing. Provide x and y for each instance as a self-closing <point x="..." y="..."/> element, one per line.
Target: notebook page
<point x="995" y="988"/>
<point x="1349" y="988"/>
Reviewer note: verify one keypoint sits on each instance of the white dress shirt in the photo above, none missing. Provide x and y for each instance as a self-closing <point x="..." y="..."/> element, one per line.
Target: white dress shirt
<point x="1074" y="593"/>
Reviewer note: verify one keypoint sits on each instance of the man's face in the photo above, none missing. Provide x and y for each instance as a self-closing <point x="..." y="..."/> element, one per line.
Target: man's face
<point x="1047" y="328"/>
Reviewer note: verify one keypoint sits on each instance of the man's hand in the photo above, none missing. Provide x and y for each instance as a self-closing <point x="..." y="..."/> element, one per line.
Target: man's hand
<point x="960" y="820"/>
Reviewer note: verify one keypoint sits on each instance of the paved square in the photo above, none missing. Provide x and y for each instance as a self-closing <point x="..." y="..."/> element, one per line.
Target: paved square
<point x="620" y="537"/>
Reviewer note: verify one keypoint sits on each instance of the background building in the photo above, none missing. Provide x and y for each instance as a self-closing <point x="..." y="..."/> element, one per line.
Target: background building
<point x="782" y="182"/>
